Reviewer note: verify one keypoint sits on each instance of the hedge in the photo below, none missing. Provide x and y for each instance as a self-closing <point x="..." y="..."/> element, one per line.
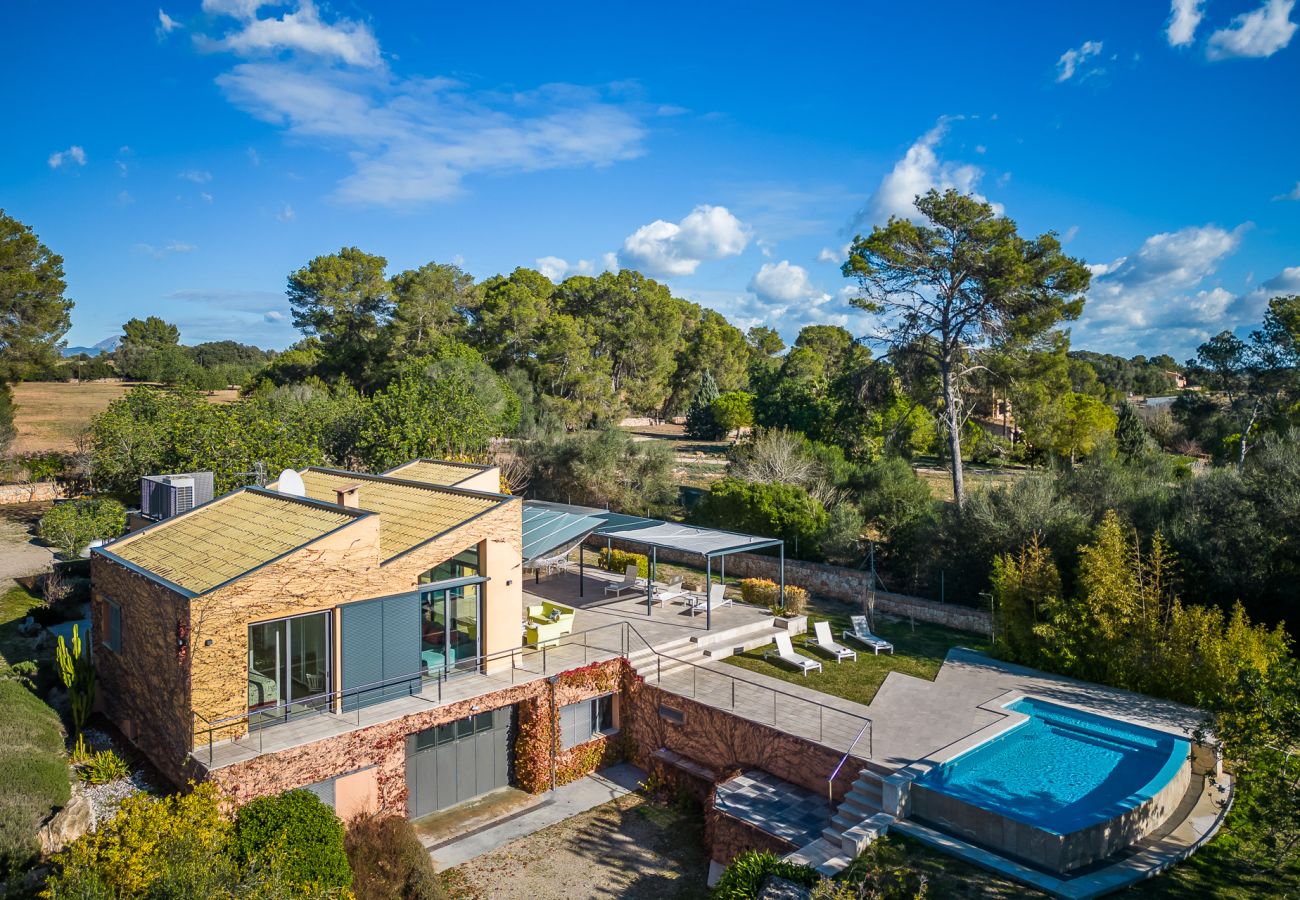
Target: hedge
<point x="613" y="560"/>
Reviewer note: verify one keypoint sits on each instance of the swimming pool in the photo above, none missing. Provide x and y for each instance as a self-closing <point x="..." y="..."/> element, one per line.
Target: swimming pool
<point x="1061" y="787"/>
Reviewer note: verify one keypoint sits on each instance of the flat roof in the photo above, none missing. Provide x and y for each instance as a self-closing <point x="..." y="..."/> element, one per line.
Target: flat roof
<point x="574" y="522"/>
<point x="410" y="512"/>
<point x="226" y="538"/>
<point x="436" y="471"/>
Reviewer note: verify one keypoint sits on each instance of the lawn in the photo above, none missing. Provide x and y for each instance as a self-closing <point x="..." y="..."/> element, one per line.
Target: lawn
<point x="631" y="847"/>
<point x="919" y="649"/>
<point x="51" y="415"/>
<point x="33" y="767"/>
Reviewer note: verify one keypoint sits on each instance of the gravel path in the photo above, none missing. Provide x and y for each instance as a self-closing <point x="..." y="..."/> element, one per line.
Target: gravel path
<point x="19" y="556"/>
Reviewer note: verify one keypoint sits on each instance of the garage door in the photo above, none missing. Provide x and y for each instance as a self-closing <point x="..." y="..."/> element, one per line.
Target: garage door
<point x="457" y="761"/>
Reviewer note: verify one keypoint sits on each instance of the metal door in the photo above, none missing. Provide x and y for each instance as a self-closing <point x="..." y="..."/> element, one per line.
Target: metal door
<point x="458" y="761"/>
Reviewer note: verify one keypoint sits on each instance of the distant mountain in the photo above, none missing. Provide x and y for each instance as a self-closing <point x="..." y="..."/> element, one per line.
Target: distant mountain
<point x="107" y="345"/>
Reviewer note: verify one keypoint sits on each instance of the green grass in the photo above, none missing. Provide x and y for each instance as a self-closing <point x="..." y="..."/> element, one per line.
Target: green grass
<point x="1217" y="871"/>
<point x="918" y="651"/>
<point x="33" y="767"/>
<point x="945" y="876"/>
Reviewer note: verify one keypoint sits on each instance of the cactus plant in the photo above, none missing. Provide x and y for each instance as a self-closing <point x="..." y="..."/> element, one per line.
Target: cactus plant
<point x="78" y="676"/>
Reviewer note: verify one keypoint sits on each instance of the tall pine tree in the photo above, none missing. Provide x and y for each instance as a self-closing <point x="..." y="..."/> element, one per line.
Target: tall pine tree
<point x="700" y="421"/>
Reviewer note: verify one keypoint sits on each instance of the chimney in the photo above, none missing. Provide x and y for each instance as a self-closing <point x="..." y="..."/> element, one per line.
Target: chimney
<point x="349" y="496"/>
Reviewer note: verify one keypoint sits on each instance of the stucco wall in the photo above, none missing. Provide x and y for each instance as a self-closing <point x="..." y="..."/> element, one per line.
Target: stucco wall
<point x="849" y="585"/>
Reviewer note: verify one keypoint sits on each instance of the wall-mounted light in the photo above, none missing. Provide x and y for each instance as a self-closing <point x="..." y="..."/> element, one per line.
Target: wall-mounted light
<point x="208" y="642"/>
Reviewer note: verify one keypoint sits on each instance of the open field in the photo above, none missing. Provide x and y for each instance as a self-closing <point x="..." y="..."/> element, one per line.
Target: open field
<point x="51" y="415"/>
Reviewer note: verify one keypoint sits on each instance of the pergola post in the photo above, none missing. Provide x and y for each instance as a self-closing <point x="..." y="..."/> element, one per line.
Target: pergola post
<point x="782" y="576"/>
<point x="650" y="581"/>
<point x="708" y="591"/>
<point x="582" y="567"/>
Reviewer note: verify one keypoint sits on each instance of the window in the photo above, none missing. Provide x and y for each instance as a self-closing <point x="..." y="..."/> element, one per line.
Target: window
<point x="462" y="565"/>
<point x="288" y="662"/>
<point x="580" y="722"/>
<point x="112" y="626"/>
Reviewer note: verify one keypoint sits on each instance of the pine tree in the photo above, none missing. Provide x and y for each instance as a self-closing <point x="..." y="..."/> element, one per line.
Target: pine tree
<point x="1132" y="439"/>
<point x="700" y="422"/>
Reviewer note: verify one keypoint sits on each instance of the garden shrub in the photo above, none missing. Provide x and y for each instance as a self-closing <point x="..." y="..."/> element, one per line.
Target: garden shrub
<point x="765" y="592"/>
<point x="103" y="767"/>
<point x="796" y="600"/>
<point x="743" y="879"/>
<point x="298" y="832"/>
<point x="613" y="560"/>
<point x="72" y="526"/>
<point x="33" y="770"/>
<point x="388" y="860"/>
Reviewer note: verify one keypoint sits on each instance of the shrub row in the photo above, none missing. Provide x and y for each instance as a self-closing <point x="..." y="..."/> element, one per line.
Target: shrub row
<point x="765" y="592"/>
<point x="613" y="560"/>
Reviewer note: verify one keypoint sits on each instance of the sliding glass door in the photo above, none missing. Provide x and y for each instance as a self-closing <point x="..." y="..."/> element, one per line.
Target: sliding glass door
<point x="288" y="666"/>
<point x="449" y="639"/>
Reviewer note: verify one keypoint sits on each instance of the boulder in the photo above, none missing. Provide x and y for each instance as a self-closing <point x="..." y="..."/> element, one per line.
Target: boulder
<point x="68" y="824"/>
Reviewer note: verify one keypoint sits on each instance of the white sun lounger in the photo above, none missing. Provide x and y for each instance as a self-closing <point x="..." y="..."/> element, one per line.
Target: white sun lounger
<point x="827" y="643"/>
<point x="717" y="598"/>
<point x="862" y="634"/>
<point x="671" y="591"/>
<point x="785" y="652"/>
<point x="629" y="582"/>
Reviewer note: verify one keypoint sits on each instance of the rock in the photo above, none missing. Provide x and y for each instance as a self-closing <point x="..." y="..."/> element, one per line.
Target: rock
<point x="68" y="824"/>
<point x="776" y="888"/>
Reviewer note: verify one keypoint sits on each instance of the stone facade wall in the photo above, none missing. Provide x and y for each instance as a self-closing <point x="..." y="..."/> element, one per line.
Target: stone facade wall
<point x="144" y="689"/>
<point x="728" y="744"/>
<point x="727" y="837"/>
<point x="837" y="582"/>
<point x="36" y="492"/>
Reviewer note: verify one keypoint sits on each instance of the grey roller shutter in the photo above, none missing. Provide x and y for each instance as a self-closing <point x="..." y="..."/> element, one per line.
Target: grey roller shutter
<point x="362" y="649"/>
<point x="402" y="645"/>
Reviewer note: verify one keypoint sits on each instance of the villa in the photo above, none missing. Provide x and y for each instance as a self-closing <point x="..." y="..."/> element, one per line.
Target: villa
<point x="389" y="643"/>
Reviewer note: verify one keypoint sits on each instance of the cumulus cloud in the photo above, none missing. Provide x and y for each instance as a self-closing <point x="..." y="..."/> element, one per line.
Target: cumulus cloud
<point x="1075" y="61"/>
<point x="73" y="156"/>
<point x="1155" y="299"/>
<point x="1184" y="17"/>
<point x="1285" y="282"/>
<point x="1256" y="34"/>
<point x="667" y="249"/>
<point x="1293" y="194"/>
<point x="301" y="31"/>
<point x="166" y="24"/>
<point x="919" y="170"/>
<point x="198" y="176"/>
<point x="835" y="255"/>
<point x="785" y="283"/>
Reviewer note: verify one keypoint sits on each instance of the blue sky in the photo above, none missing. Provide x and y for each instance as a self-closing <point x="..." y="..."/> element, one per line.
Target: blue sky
<point x="184" y="160"/>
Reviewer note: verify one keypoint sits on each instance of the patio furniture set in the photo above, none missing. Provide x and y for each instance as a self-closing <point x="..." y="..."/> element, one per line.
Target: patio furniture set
<point x="860" y="633"/>
<point x="663" y="593"/>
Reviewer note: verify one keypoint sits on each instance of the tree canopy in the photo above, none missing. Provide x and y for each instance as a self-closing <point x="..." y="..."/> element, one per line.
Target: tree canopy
<point x="34" y="313"/>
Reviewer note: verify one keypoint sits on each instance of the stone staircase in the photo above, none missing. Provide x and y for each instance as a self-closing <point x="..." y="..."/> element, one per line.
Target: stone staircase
<point x="857" y="822"/>
<point x="703" y="648"/>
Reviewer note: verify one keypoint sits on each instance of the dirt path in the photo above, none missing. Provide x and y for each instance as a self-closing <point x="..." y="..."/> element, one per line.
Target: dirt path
<point x="19" y="556"/>
<point x="628" y="848"/>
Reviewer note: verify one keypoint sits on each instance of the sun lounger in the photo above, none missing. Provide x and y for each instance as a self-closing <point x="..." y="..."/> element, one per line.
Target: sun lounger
<point x="717" y="598"/>
<point x="827" y="643"/>
<point x="785" y="652"/>
<point x="629" y="582"/>
<point x="862" y="634"/>
<point x="662" y="593"/>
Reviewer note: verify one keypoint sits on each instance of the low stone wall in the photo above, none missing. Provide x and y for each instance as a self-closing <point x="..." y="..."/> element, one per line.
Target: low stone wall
<point x="36" y="492"/>
<point x="727" y="837"/>
<point x="836" y="582"/>
<point x="1056" y="852"/>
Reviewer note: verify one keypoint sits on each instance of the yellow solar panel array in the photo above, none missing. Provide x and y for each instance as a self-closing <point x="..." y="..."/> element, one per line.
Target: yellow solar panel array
<point x="227" y="539"/>
<point x="408" y="514"/>
<point x="432" y="472"/>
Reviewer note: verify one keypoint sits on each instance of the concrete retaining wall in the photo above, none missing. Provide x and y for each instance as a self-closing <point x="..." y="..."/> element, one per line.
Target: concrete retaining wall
<point x="837" y="582"/>
<point x="1056" y="852"/>
<point x="36" y="492"/>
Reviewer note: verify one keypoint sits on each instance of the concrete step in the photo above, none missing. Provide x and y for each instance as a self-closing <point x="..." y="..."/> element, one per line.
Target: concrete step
<point x="759" y="639"/>
<point x="856" y="806"/>
<point x="859" y="837"/>
<point x="824" y="855"/>
<point x="728" y="636"/>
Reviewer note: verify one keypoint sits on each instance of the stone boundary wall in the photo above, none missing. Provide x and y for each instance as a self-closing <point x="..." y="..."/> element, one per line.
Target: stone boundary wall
<point x="37" y="492"/>
<point x="837" y="582"/>
<point x="726" y="837"/>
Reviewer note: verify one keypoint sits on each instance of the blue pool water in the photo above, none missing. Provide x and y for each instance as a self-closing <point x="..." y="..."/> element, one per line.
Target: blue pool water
<point x="1061" y="769"/>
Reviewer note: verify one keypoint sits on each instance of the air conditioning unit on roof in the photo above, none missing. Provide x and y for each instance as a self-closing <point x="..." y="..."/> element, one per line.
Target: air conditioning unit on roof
<point x="164" y="496"/>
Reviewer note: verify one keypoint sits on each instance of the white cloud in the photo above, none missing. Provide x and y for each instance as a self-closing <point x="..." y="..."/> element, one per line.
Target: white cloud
<point x="1155" y="299"/>
<point x="1293" y="194"/>
<point x="302" y="30"/>
<point x="273" y="315"/>
<point x="1075" y="61"/>
<point x="835" y="255"/>
<point x="785" y="283"/>
<point x="198" y="176"/>
<point x="665" y="249"/>
<point x="180" y="247"/>
<point x="160" y="252"/>
<point x="412" y="141"/>
<point x="1184" y="17"/>
<point x="1285" y="282"/>
<point x="1256" y="34"/>
<point x="125" y="198"/>
<point x="207" y="198"/>
<point x="286" y="213"/>
<point x="74" y="155"/>
<point x="1070" y="234"/>
<point x="919" y="170"/>
<point x="166" y="24"/>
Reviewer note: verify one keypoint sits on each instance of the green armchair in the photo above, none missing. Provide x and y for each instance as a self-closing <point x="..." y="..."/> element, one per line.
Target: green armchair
<point x="547" y="623"/>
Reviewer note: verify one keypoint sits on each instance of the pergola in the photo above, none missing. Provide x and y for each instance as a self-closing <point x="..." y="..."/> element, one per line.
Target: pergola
<point x="553" y="529"/>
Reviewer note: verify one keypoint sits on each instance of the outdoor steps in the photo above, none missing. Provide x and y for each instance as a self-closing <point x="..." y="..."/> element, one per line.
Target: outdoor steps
<point x="743" y="643"/>
<point x="826" y="856"/>
<point x="852" y="825"/>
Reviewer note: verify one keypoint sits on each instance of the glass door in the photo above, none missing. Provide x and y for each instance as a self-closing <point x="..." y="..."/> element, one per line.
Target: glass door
<point x="449" y="639"/>
<point x="288" y="666"/>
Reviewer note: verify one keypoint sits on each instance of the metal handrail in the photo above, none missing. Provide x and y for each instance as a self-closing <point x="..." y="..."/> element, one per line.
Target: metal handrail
<point x="830" y="782"/>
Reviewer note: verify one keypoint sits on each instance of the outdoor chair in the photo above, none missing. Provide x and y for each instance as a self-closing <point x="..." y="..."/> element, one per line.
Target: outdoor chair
<point x="717" y="598"/>
<point x="662" y="593"/>
<point x="827" y="643"/>
<point x="785" y="652"/>
<point x="629" y="582"/>
<point x="862" y="634"/>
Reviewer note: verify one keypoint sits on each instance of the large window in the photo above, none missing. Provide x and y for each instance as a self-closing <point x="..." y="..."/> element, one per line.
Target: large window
<point x="449" y="629"/>
<point x="580" y="722"/>
<point x="289" y="664"/>
<point x="112" y="626"/>
<point x="463" y="565"/>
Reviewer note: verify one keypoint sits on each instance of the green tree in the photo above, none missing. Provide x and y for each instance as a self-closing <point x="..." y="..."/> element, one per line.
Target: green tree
<point x="297" y="832"/>
<point x="711" y="344"/>
<point x="1084" y="422"/>
<point x="605" y="468"/>
<point x="432" y="301"/>
<point x="34" y="314"/>
<point x="345" y="301"/>
<point x="733" y="411"/>
<point x="71" y="526"/>
<point x="511" y="316"/>
<point x="964" y="282"/>
<point x="1023" y="583"/>
<point x="700" y="423"/>
<point x="8" y="431"/>
<point x="450" y="404"/>
<point x="1132" y="439"/>
<point x="771" y="510"/>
